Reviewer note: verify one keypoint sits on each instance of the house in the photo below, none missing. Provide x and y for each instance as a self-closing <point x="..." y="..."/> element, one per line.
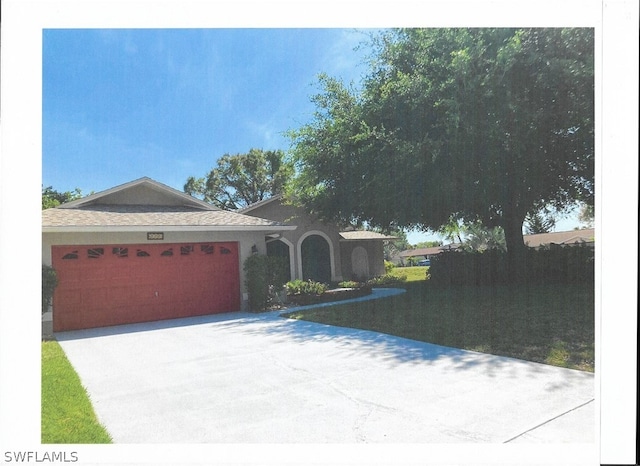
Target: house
<point x="560" y="238"/>
<point x="143" y="251"/>
<point x="320" y="251"/>
<point x="584" y="237"/>
<point x="426" y="253"/>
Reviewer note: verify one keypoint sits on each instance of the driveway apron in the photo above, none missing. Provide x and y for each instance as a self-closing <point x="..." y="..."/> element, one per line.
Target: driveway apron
<point x="261" y="378"/>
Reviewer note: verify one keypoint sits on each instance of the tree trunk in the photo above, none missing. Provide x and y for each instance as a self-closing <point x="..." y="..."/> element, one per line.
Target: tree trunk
<point x="516" y="249"/>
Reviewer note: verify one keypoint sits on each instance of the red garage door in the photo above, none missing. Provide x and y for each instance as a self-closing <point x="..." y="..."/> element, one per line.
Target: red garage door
<point x="107" y="285"/>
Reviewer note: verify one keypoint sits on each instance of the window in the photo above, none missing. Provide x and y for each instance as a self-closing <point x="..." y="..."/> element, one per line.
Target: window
<point x="70" y="256"/>
<point x="167" y="253"/>
<point x="142" y="253"/>
<point x="120" y="252"/>
<point x="186" y="250"/>
<point x="206" y="248"/>
<point x="95" y="253"/>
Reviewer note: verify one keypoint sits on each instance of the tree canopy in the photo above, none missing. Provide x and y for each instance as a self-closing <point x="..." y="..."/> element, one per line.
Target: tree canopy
<point x="52" y="198"/>
<point x="242" y="179"/>
<point x="484" y="125"/>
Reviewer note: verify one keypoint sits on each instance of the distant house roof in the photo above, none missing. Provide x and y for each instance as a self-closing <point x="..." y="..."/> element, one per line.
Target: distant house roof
<point x="585" y="236"/>
<point x="145" y="203"/>
<point x="561" y="237"/>
<point x="429" y="251"/>
<point x="357" y="235"/>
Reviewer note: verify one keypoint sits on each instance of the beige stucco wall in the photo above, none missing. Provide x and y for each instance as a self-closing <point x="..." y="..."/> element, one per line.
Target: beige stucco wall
<point x="306" y="226"/>
<point x="375" y="257"/>
<point x="245" y="240"/>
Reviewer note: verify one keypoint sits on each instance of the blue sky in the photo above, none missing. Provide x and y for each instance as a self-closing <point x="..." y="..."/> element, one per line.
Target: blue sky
<point x="119" y="104"/>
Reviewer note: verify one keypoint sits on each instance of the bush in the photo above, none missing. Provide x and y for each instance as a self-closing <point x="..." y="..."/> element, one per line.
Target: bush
<point x="387" y="280"/>
<point x="556" y="264"/>
<point x="388" y="267"/>
<point x="309" y="287"/>
<point x="49" y="284"/>
<point x="265" y="275"/>
<point x="349" y="284"/>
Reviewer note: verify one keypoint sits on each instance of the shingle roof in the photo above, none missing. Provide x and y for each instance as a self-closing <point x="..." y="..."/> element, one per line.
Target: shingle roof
<point x="561" y="237"/>
<point x="145" y="215"/>
<point x="362" y="234"/>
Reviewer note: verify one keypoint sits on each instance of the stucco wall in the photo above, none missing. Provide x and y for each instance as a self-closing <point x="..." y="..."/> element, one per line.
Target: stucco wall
<point x="375" y="256"/>
<point x="306" y="226"/>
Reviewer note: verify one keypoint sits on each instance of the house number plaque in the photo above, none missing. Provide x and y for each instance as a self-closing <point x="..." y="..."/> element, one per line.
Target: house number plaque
<point x="155" y="236"/>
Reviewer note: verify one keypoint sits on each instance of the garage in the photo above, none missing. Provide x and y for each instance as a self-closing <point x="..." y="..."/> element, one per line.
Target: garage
<point x="119" y="284"/>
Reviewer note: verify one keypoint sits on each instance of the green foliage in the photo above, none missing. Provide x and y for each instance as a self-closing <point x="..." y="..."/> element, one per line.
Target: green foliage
<point x="305" y="287"/>
<point x="265" y="276"/>
<point x="481" y="123"/>
<point x="350" y="284"/>
<point x="555" y="265"/>
<point x="387" y="280"/>
<point x="49" y="284"/>
<point x="67" y="415"/>
<point x="389" y="266"/>
<point x="242" y="179"/>
<point x="52" y="198"/>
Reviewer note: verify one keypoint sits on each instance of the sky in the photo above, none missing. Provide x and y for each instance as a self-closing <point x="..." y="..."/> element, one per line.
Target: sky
<point x="120" y="104"/>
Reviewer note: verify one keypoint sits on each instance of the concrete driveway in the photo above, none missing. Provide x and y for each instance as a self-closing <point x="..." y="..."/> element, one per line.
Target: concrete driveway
<point x="260" y="378"/>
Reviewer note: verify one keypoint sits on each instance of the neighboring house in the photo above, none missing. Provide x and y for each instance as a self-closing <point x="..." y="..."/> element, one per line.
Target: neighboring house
<point x="561" y="238"/>
<point x="584" y="237"/>
<point x="426" y="253"/>
<point x="320" y="251"/>
<point x="144" y="251"/>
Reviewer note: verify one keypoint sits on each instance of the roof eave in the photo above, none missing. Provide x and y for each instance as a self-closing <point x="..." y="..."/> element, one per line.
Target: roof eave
<point x="164" y="228"/>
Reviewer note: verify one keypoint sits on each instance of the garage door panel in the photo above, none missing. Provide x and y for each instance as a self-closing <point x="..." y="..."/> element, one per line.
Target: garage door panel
<point x="117" y="284"/>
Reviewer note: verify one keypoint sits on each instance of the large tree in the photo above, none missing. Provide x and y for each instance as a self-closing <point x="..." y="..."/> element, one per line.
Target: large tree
<point x="473" y="125"/>
<point x="242" y="179"/>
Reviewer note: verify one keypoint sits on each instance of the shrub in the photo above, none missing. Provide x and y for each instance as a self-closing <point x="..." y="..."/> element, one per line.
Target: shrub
<point x="387" y="280"/>
<point x="349" y="284"/>
<point x="302" y="287"/>
<point x="388" y="267"/>
<point x="556" y="264"/>
<point x="265" y="275"/>
<point x="49" y="283"/>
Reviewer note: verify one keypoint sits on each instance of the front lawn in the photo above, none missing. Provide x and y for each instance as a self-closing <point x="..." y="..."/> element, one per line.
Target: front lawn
<point x="413" y="274"/>
<point x="550" y="324"/>
<point x="67" y="414"/>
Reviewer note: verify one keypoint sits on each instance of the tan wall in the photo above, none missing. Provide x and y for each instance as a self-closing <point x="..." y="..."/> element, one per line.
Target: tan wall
<point x="306" y="225"/>
<point x="246" y="240"/>
<point x="375" y="256"/>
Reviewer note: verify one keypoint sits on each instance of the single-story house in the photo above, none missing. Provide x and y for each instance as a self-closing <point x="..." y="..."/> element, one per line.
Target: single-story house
<point x="143" y="251"/>
<point x="584" y="237"/>
<point x="320" y="251"/>
<point x="561" y="238"/>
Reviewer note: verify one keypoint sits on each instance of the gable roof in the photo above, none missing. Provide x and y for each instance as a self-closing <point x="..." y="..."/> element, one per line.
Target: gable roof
<point x="261" y="203"/>
<point x="145" y="203"/>
<point x="143" y="191"/>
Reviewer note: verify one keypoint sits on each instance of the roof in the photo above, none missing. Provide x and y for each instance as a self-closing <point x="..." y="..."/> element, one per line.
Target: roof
<point x="561" y="237"/>
<point x="258" y="204"/>
<point x="158" y="206"/>
<point x="534" y="241"/>
<point x="364" y="235"/>
<point x="428" y="251"/>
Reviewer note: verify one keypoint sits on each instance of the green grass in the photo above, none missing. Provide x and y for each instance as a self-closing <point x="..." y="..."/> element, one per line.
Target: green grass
<point x="550" y="324"/>
<point x="413" y="274"/>
<point x="67" y="414"/>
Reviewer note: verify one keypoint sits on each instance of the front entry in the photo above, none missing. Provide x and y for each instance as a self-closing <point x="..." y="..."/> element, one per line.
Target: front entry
<point x="316" y="259"/>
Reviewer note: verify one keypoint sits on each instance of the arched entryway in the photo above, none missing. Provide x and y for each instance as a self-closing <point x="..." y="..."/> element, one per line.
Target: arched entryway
<point x="360" y="263"/>
<point x="316" y="258"/>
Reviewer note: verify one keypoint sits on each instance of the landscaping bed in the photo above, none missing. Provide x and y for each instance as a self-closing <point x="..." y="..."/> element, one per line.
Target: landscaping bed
<point x="336" y="294"/>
